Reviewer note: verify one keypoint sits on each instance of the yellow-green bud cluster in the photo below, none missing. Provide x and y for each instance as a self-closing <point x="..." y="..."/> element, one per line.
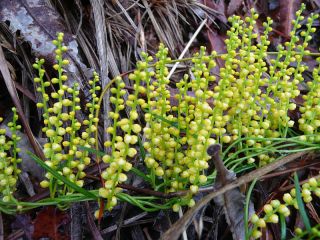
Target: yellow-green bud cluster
<point x="176" y="136"/>
<point x="252" y="100"/>
<point x="291" y="77"/>
<point x="238" y="98"/>
<point x="9" y="160"/>
<point x="249" y="100"/>
<point x="159" y="142"/>
<point x="243" y="79"/>
<point x="271" y="215"/>
<point x="198" y="124"/>
<point x="92" y="106"/>
<point x="312" y="186"/>
<point x="310" y="117"/>
<point x="224" y="95"/>
<point x="284" y="79"/>
<point x="120" y="146"/>
<point x="65" y="133"/>
<point x="276" y="208"/>
<point x="313" y="234"/>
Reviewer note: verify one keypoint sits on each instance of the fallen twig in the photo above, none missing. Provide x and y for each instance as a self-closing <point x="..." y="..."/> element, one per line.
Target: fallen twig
<point x="178" y="227"/>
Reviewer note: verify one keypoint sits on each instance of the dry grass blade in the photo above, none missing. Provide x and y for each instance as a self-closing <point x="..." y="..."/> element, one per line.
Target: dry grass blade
<point x="165" y="17"/>
<point x="217" y="9"/>
<point x="15" y="98"/>
<point x="26" y="92"/>
<point x="101" y="38"/>
<point x="102" y="45"/>
<point x="178" y="227"/>
<point x="125" y="223"/>
<point x="171" y="21"/>
<point x="127" y="16"/>
<point x="19" y="53"/>
<point x="24" y="178"/>
<point x="75" y="18"/>
<point x="187" y="47"/>
<point x="120" y="34"/>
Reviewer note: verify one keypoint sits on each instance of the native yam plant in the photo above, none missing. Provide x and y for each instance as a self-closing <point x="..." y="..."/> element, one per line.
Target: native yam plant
<point x="245" y="109"/>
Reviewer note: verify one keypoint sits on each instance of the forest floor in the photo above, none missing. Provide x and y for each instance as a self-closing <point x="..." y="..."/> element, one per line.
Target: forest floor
<point x="109" y="37"/>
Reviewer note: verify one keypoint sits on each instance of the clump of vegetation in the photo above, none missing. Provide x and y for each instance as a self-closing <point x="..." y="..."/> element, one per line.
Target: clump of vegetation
<point x="245" y="109"/>
<point x="65" y="133"/>
<point x="9" y="159"/>
<point x="120" y="145"/>
<point x="276" y="210"/>
<point x="250" y="104"/>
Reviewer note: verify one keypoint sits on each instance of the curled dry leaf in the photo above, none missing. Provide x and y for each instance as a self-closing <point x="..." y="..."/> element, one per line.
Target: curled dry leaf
<point x="38" y="24"/>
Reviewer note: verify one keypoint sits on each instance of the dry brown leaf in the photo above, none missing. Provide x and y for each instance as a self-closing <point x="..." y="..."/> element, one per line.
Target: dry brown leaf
<point x="287" y="11"/>
<point x="217" y="41"/>
<point x="220" y="7"/>
<point x="49" y="223"/>
<point x="233" y="6"/>
<point x="217" y="44"/>
<point x="232" y="201"/>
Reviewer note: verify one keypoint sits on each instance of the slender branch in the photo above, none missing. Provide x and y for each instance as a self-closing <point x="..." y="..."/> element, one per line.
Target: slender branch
<point x="177" y="228"/>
